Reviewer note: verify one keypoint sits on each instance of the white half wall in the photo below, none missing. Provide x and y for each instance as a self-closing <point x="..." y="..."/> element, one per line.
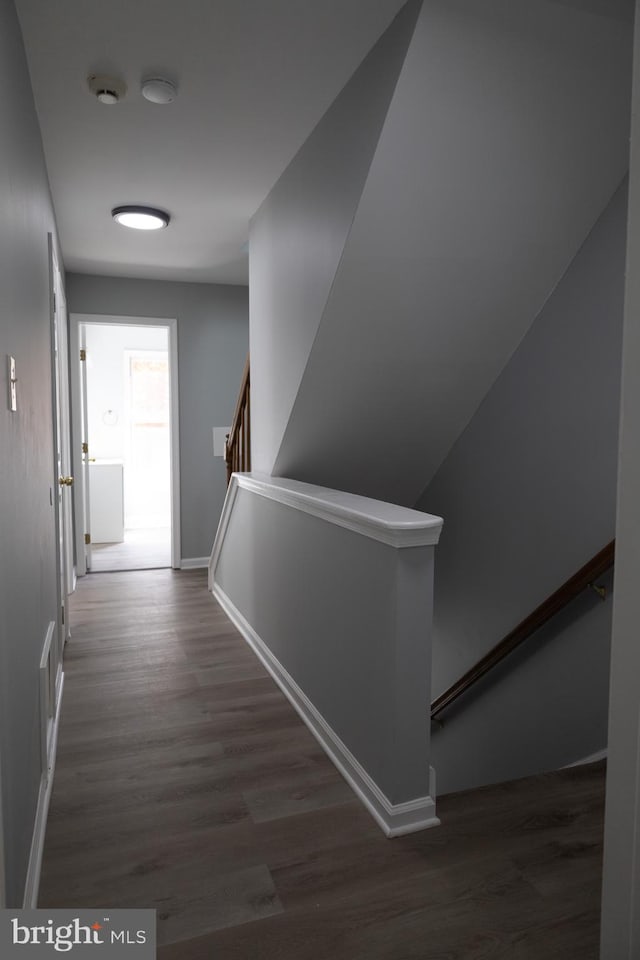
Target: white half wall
<point x="334" y="593"/>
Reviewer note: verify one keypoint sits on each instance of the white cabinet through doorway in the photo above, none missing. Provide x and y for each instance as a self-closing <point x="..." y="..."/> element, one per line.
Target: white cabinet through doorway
<point x="107" y="501"/>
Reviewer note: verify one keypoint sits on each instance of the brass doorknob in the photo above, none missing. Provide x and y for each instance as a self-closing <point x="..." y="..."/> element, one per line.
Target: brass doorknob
<point x="65" y="481"/>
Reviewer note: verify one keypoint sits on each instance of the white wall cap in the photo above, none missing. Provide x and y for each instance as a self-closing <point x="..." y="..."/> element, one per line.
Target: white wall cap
<point x="386" y="522"/>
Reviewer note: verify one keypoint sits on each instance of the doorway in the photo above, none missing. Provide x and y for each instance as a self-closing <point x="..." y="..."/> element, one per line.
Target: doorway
<point x="125" y="439"/>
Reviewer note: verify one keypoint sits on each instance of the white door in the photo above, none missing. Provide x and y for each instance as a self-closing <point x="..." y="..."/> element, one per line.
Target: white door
<point x="81" y="455"/>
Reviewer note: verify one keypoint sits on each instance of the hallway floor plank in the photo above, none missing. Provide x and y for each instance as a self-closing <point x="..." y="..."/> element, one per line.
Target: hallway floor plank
<point x="142" y="549"/>
<point x="186" y="782"/>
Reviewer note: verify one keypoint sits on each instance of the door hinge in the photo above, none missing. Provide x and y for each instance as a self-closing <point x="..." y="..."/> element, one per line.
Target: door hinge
<point x="87" y="538"/>
<point x="85" y="446"/>
<point x="62" y="613"/>
<point x="83" y="354"/>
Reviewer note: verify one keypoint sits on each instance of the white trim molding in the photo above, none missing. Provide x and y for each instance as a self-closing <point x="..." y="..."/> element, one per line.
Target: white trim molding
<point x="32" y="884"/>
<point x="48" y="696"/>
<point x="194" y="563"/>
<point x="394" y="819"/>
<point x="171" y="324"/>
<point x="386" y="522"/>
<point x="3" y="893"/>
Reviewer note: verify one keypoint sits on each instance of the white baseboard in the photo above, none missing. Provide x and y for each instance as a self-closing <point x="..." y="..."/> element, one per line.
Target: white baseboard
<point x="32" y="884"/>
<point x="393" y="819"/>
<point x="194" y="563"/>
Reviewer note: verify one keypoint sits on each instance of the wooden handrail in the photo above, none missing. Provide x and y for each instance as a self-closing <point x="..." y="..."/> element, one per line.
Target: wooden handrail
<point x="565" y="594"/>
<point x="237" y="445"/>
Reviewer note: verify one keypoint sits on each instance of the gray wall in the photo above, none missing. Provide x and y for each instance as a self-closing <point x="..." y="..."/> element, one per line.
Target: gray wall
<point x="213" y="340"/>
<point x="528" y="495"/>
<point x="298" y="235"/>
<point x="28" y="599"/>
<point x="621" y="871"/>
<point x="476" y="200"/>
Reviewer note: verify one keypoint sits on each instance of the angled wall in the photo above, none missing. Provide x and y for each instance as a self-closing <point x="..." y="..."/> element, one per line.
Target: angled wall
<point x="28" y="597"/>
<point x="476" y="199"/>
<point x="529" y="496"/>
<point x="620" y="926"/>
<point x="298" y="235"/>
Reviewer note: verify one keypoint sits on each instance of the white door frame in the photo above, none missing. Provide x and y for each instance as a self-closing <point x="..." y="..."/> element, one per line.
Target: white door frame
<point x="62" y="451"/>
<point x="171" y="324"/>
<point x="3" y="896"/>
<point x="82" y="503"/>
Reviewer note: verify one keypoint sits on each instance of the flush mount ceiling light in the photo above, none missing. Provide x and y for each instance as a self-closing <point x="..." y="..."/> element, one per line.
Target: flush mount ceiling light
<point x="140" y="218"/>
<point x="158" y="90"/>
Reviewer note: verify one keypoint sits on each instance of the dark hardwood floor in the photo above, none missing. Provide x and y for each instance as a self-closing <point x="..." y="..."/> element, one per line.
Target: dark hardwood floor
<point x="185" y="782"/>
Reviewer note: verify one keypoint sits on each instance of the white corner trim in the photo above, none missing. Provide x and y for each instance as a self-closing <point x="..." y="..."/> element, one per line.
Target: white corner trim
<point x="221" y="532"/>
<point x="32" y="884"/>
<point x="194" y="563"/>
<point x="394" y="819"/>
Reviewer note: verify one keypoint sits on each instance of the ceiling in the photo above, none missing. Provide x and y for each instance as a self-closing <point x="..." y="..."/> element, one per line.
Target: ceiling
<point x="254" y="78"/>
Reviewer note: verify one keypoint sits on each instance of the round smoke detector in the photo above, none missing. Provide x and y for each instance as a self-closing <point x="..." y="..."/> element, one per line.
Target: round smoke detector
<point x="158" y="90"/>
<point x="106" y="89"/>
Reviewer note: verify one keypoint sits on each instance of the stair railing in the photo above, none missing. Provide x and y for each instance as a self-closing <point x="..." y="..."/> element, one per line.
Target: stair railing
<point x="237" y="445"/>
<point x="585" y="577"/>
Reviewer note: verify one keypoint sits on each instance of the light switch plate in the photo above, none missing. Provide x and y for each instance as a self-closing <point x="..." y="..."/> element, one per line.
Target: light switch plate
<point x="11" y="378"/>
<point x="219" y="435"/>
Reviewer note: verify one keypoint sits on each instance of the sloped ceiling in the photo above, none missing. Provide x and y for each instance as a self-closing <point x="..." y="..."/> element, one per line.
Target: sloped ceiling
<point x="299" y="234"/>
<point x="505" y="139"/>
